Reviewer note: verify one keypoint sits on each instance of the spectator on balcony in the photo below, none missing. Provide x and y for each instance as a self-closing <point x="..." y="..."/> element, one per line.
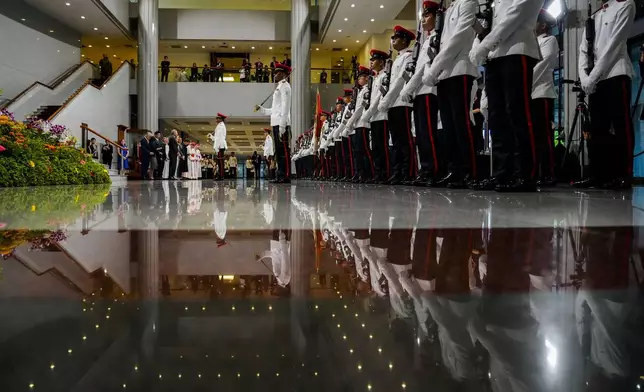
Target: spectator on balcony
<point x="194" y="72"/>
<point x="287" y="61"/>
<point x="219" y="71"/>
<point x="206" y="74"/>
<point x="244" y="72"/>
<point x="273" y="63"/>
<point x="266" y="74"/>
<point x="259" y="68"/>
<point x="323" y="76"/>
<point x="165" y="69"/>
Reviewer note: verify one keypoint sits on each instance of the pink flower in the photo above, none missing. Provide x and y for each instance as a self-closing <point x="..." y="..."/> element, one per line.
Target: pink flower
<point x="2" y="148"/>
<point x="2" y="225"/>
<point x="82" y="162"/>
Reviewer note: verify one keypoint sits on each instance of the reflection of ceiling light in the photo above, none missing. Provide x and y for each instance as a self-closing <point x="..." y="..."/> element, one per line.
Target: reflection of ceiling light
<point x="95" y="28"/>
<point x="357" y="41"/>
<point x="23" y="19"/>
<point x="51" y="31"/>
<point x="346" y="49"/>
<point x="113" y="55"/>
<point x="82" y="17"/>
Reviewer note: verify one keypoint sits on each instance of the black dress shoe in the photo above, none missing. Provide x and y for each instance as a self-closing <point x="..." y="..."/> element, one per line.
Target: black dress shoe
<point x="407" y="180"/>
<point x="489" y="184"/>
<point x="395" y="180"/>
<point x="450" y="177"/>
<point x="420" y="180"/>
<point x="586" y="183"/>
<point x="431" y="183"/>
<point x="457" y="185"/>
<point x="546" y="182"/>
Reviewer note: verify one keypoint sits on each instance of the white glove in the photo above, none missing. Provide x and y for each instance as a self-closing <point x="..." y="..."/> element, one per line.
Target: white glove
<point x="429" y="79"/>
<point x="479" y="54"/>
<point x="407" y="95"/>
<point x="588" y="84"/>
<point x="282" y="129"/>
<point x="384" y="105"/>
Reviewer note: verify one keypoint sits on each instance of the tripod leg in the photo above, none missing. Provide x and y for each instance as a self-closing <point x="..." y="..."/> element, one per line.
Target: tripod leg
<point x="571" y="132"/>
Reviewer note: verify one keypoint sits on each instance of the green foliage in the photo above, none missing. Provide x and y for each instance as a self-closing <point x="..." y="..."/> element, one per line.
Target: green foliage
<point x="47" y="208"/>
<point x="33" y="157"/>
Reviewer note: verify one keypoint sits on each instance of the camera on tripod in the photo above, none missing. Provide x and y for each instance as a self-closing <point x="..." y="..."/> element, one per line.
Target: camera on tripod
<point x="576" y="85"/>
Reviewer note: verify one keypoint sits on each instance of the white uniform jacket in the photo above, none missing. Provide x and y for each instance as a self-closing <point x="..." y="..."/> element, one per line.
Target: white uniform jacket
<point x="280" y="112"/>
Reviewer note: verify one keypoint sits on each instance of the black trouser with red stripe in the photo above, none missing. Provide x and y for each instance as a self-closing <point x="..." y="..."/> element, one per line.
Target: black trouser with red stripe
<point x="404" y="151"/>
<point x="542" y="109"/>
<point x="220" y="163"/>
<point x="282" y="152"/>
<point x="426" y="121"/>
<point x="348" y="157"/>
<point x="363" y="162"/>
<point x="380" y="149"/>
<point x="454" y="96"/>
<point x="508" y="83"/>
<point x="339" y="159"/>
<point x="611" y="156"/>
<point x="330" y="162"/>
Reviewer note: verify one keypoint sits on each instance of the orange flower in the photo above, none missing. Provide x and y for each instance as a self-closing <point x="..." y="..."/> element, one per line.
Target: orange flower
<point x="82" y="162"/>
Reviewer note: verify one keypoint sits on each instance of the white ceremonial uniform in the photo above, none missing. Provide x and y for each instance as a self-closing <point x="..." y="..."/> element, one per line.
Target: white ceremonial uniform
<point x="219" y="139"/>
<point x="393" y="98"/>
<point x="219" y="223"/>
<point x="415" y="86"/>
<point x="543" y="83"/>
<point x="269" y="149"/>
<point x="340" y="131"/>
<point x="513" y="29"/>
<point x="280" y="111"/>
<point x="373" y="114"/>
<point x="198" y="163"/>
<point x="612" y="29"/>
<point x="166" y="167"/>
<point x="456" y="42"/>
<point x="356" y="120"/>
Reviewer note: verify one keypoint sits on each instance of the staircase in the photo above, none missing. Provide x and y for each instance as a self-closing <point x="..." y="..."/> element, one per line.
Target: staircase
<point x="45" y="112"/>
<point x="116" y="178"/>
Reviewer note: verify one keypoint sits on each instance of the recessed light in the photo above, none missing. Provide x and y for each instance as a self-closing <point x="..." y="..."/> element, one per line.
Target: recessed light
<point x="23" y="19"/>
<point x="233" y="47"/>
<point x="113" y="55"/>
<point x="270" y="48"/>
<point x="357" y="41"/>
<point x="203" y="47"/>
<point x="67" y="4"/>
<point x="89" y="46"/>
<point x="382" y="6"/>
<point x="334" y="40"/>
<point x="185" y="46"/>
<point x="345" y="19"/>
<point x="353" y="6"/>
<point x="107" y="46"/>
<point x="82" y="55"/>
<point x="252" y="47"/>
<point x="373" y="20"/>
<point x="51" y="31"/>
<point x="95" y="28"/>
<point x="364" y="31"/>
<point x="346" y="50"/>
<point x="82" y="17"/>
<point x="339" y="31"/>
<point x="317" y="48"/>
<point x="106" y="38"/>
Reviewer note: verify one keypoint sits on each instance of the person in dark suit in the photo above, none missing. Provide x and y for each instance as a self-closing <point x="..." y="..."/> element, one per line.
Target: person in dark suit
<point x="159" y="151"/>
<point x="146" y="153"/>
<point x="257" y="163"/>
<point x="174" y="154"/>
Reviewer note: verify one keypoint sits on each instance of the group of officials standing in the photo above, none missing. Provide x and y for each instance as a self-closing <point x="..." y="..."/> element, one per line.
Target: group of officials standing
<point x="385" y="130"/>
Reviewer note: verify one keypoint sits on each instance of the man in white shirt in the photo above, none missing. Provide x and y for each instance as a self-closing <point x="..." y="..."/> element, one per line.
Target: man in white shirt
<point x="608" y="84"/>
<point x="280" y="114"/>
<point x="378" y="120"/>
<point x="399" y="111"/>
<point x="512" y="50"/>
<point x="269" y="152"/>
<point x="425" y="103"/>
<point x="454" y="74"/>
<point x="358" y="132"/>
<point x="543" y="99"/>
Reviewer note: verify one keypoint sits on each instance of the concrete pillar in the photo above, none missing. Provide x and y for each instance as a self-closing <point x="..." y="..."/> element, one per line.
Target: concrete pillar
<point x="301" y="109"/>
<point x="148" y="85"/>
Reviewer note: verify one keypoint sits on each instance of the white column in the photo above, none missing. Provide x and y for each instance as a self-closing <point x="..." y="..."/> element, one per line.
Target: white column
<point x="301" y="110"/>
<point x="148" y="85"/>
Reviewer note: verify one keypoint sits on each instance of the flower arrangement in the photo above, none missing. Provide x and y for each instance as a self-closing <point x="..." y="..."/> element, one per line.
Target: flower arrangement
<point x="39" y="240"/>
<point x="41" y="153"/>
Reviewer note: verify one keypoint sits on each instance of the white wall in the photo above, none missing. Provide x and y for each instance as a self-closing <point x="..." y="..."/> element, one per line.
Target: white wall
<point x="103" y="110"/>
<point x="120" y="9"/>
<point x="225" y="25"/>
<point x="27" y="56"/>
<point x="40" y="95"/>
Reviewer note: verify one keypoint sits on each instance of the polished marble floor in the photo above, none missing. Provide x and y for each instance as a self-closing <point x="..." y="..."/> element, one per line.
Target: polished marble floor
<point x="201" y="285"/>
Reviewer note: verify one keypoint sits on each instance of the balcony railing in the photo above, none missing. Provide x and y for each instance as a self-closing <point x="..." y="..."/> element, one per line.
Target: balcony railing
<point x="177" y="74"/>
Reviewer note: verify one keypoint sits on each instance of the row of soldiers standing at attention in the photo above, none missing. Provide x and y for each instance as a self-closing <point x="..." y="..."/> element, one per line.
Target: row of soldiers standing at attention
<point x="385" y="129"/>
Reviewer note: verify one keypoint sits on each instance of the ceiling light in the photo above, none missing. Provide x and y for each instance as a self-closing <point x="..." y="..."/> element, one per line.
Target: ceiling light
<point x="67" y="4"/>
<point x="346" y="49"/>
<point x="89" y="46"/>
<point x="364" y="31"/>
<point x="113" y="55"/>
<point x="95" y="28"/>
<point x="357" y="41"/>
<point x="82" y="17"/>
<point x="23" y="19"/>
<point x="353" y="6"/>
<point x="185" y="46"/>
<point x="346" y="19"/>
<point x="107" y="46"/>
<point x="373" y="20"/>
<point x="51" y="31"/>
<point x="334" y="40"/>
<point x="252" y="47"/>
<point x="382" y="6"/>
<point x="233" y="47"/>
<point x="317" y="48"/>
<point x="106" y="38"/>
<point x="339" y="31"/>
<point x="203" y="47"/>
<point x="270" y="48"/>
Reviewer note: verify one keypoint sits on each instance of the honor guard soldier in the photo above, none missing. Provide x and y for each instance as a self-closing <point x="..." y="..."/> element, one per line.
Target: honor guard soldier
<point x="219" y="143"/>
<point x="512" y="52"/>
<point x="359" y="132"/>
<point x="330" y="148"/>
<point x="297" y="150"/>
<point x="269" y="152"/>
<point x="399" y="111"/>
<point x="543" y="99"/>
<point x="608" y="85"/>
<point x="323" y="171"/>
<point x="378" y="119"/>
<point x="338" y="147"/>
<point x="425" y="104"/>
<point x="454" y="74"/>
<point x="280" y="114"/>
<point x="342" y="132"/>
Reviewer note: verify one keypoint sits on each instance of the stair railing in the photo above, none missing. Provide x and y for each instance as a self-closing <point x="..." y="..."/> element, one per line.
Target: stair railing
<point x="86" y="130"/>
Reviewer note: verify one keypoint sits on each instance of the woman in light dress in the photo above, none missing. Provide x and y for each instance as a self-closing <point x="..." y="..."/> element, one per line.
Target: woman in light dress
<point x="166" y="167"/>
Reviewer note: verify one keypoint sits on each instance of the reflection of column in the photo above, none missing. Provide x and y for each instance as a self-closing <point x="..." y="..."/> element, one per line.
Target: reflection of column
<point x="148" y="85"/>
<point x="148" y="257"/>
<point x="147" y="325"/>
<point x="301" y="77"/>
